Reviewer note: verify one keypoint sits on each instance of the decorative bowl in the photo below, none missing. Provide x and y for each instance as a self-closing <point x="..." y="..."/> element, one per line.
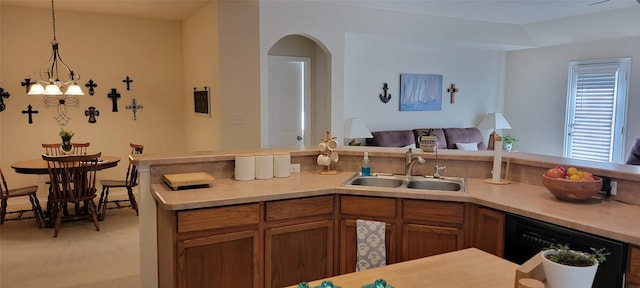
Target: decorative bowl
<point x="570" y="190"/>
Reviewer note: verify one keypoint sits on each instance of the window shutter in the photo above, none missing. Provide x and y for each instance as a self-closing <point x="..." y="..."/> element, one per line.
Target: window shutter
<point x="594" y="115"/>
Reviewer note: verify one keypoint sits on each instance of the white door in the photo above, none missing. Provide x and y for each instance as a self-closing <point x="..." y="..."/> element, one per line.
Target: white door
<point x="288" y="101"/>
<point x="596" y="109"/>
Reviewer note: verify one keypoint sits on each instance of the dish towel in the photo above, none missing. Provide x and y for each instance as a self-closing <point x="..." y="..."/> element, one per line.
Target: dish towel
<point x="372" y="251"/>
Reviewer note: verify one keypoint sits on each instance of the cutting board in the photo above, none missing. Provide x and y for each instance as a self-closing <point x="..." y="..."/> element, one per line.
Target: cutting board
<point x="176" y="181"/>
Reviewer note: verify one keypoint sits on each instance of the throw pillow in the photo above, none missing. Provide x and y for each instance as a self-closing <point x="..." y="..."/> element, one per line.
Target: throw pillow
<point x="467" y="146"/>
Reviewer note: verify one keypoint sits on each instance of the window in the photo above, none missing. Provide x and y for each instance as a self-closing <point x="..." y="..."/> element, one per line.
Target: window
<point x="596" y="107"/>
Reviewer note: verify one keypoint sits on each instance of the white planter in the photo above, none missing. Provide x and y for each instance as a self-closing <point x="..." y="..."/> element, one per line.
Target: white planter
<point x="563" y="276"/>
<point x="428" y="143"/>
<point x="507" y="146"/>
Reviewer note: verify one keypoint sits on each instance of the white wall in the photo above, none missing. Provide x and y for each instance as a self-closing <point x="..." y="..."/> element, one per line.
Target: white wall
<point x="536" y="88"/>
<point x="372" y="60"/>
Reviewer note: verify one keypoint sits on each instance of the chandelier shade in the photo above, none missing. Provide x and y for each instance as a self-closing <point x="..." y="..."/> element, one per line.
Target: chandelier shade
<point x="51" y="73"/>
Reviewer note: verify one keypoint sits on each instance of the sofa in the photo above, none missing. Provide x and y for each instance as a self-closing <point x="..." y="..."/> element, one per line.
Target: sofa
<point x="448" y="138"/>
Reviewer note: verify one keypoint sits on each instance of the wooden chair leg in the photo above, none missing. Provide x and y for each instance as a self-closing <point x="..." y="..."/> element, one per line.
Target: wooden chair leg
<point x="37" y="210"/>
<point x="93" y="211"/>
<point x="102" y="203"/>
<point x="58" y="212"/>
<point x="3" y="210"/>
<point x="132" y="200"/>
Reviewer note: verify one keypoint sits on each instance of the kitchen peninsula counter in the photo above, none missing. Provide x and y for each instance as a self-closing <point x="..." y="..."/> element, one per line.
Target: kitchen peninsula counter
<point x="524" y="196"/>
<point x="606" y="218"/>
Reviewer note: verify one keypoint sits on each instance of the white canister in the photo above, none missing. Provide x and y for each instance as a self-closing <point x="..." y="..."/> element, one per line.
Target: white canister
<point x="245" y="169"/>
<point x="264" y="166"/>
<point x="281" y="164"/>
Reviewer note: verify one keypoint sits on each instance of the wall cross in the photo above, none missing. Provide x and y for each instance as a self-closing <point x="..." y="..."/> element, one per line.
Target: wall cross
<point x="114" y="95"/>
<point x="128" y="81"/>
<point x="27" y="83"/>
<point x="91" y="85"/>
<point x="30" y="111"/>
<point x="453" y="90"/>
<point x="92" y="112"/>
<point x="134" y="106"/>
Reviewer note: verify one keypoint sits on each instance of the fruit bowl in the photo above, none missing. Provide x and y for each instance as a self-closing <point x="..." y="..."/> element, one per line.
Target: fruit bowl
<point x="570" y="190"/>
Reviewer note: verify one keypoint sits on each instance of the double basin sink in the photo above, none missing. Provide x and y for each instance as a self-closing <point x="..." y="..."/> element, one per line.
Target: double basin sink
<point x="454" y="184"/>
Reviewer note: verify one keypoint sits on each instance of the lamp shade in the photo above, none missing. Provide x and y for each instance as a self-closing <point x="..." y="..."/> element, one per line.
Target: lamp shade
<point x="354" y="128"/>
<point x="36" y="89"/>
<point x="74" y="90"/>
<point x="494" y="121"/>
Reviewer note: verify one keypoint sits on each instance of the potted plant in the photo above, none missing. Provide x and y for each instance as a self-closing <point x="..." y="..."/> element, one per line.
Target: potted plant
<point x="508" y="141"/>
<point x="564" y="267"/>
<point x="428" y="142"/>
<point x="66" y="135"/>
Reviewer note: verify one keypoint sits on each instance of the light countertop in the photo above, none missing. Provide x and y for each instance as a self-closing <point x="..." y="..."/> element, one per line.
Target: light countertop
<point x="607" y="218"/>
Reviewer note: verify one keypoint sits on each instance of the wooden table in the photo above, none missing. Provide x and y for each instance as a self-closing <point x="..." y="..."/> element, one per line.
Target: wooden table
<point x="39" y="166"/>
<point x="460" y="269"/>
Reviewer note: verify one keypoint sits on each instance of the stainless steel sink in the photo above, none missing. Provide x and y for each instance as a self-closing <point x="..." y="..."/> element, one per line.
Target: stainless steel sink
<point x="455" y="184"/>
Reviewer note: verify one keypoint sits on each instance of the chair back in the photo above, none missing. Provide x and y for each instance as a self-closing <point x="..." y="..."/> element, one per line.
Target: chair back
<point x="132" y="171"/>
<point x="79" y="148"/>
<point x="53" y="149"/>
<point x="73" y="177"/>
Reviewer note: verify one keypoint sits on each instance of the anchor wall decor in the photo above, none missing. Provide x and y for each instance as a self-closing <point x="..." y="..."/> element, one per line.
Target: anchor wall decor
<point x="385" y="97"/>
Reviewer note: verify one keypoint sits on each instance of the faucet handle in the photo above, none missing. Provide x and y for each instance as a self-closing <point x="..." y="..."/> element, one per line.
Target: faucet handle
<point x="439" y="169"/>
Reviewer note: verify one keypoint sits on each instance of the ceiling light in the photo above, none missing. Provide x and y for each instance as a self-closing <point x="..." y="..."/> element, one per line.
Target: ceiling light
<point x="51" y="85"/>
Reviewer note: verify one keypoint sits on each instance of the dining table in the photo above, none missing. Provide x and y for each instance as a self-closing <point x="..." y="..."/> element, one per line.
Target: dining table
<point x="40" y="167"/>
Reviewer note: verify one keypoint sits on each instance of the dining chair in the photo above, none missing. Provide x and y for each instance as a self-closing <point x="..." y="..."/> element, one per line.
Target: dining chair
<point x="73" y="180"/>
<point x="52" y="149"/>
<point x="29" y="191"/>
<point x="130" y="181"/>
<point x="80" y="148"/>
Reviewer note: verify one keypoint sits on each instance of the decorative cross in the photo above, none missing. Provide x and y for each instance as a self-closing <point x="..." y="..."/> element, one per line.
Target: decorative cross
<point x="27" y="82"/>
<point x="91" y="85"/>
<point x="114" y="95"/>
<point x="3" y="95"/>
<point x="134" y="107"/>
<point x="452" y="90"/>
<point x="30" y="111"/>
<point x="92" y="112"/>
<point x="128" y="81"/>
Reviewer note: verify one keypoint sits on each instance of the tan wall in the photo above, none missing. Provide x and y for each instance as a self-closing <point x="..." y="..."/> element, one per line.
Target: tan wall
<point x="239" y="25"/>
<point x="105" y="49"/>
<point x="202" y="62"/>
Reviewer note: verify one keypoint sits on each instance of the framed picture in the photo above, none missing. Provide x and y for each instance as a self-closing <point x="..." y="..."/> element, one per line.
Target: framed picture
<point x="201" y="102"/>
<point x="420" y="92"/>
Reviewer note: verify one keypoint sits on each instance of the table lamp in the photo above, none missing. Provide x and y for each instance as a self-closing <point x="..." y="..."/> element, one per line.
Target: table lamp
<point x="494" y="121"/>
<point x="354" y="128"/>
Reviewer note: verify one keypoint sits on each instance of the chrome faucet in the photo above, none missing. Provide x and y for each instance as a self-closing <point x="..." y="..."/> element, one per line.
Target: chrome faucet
<point x="410" y="160"/>
<point x="438" y="169"/>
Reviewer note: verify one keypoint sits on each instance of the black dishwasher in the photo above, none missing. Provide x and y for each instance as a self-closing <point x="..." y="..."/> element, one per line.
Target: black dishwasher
<point x="526" y="237"/>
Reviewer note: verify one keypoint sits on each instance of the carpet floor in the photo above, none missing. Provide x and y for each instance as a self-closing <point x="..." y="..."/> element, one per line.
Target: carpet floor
<point x="79" y="257"/>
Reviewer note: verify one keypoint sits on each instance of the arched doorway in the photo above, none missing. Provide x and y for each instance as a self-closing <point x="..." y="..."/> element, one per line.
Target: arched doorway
<point x="299" y="98"/>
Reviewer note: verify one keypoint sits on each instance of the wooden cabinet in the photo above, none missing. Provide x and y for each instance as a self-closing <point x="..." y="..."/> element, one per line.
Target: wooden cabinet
<point x="633" y="274"/>
<point x="219" y="247"/>
<point x="298" y="240"/>
<point x="353" y="208"/>
<point x="488" y="230"/>
<point x="431" y="227"/>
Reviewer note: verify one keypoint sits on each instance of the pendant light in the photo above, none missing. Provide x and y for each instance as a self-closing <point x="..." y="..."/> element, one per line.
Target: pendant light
<point x="51" y="85"/>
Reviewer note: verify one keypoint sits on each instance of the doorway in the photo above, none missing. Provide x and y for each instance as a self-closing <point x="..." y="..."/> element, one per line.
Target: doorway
<point x="315" y="114"/>
<point x="289" y="94"/>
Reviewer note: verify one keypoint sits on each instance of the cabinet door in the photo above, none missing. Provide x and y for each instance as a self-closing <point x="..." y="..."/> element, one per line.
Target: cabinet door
<point x="226" y="260"/>
<point x="297" y="253"/>
<point x="349" y="246"/>
<point x="424" y="240"/>
<point x="633" y="276"/>
<point x="488" y="230"/>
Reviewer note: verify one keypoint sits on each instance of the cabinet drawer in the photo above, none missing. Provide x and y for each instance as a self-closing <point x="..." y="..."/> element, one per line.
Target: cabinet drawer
<point x="212" y="218"/>
<point x="368" y="206"/>
<point x="297" y="208"/>
<point x="434" y="211"/>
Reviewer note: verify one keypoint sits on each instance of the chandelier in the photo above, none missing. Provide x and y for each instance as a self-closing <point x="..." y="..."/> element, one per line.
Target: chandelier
<point x="51" y="85"/>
